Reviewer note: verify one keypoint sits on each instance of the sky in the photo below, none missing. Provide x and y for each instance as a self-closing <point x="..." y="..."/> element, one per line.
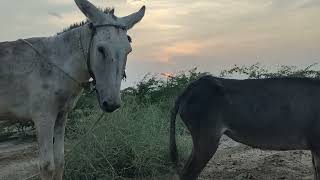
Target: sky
<point x="177" y="35"/>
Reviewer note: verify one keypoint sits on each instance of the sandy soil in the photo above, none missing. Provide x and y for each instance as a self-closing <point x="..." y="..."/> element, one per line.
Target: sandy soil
<point x="232" y="161"/>
<point x="18" y="159"/>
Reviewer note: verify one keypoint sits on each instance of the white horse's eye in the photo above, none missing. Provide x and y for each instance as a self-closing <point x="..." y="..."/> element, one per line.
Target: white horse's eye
<point x="129" y="39"/>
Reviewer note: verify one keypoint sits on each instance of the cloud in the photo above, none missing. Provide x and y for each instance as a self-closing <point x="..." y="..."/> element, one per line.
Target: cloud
<point x="294" y="4"/>
<point x="184" y="33"/>
<point x="135" y="1"/>
<point x="54" y="14"/>
<point x="68" y="19"/>
<point x="61" y="2"/>
<point x="180" y="49"/>
<point x="311" y="4"/>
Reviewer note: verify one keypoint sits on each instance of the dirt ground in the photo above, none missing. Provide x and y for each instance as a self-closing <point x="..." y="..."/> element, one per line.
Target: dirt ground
<point x="18" y="159"/>
<point x="233" y="161"/>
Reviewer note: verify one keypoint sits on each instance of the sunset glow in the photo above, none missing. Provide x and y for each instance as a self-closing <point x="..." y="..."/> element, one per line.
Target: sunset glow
<point x="167" y="75"/>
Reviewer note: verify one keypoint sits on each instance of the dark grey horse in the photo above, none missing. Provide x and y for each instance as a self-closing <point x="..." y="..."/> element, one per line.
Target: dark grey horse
<point x="271" y="114"/>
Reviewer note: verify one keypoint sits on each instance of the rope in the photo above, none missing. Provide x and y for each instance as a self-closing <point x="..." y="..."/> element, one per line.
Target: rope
<point x="39" y="53"/>
<point x="32" y="176"/>
<point x="89" y="131"/>
<point x="77" y="143"/>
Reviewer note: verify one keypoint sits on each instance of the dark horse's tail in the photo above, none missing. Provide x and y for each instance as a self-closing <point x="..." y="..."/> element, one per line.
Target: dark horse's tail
<point x="174" y="112"/>
<point x="173" y="145"/>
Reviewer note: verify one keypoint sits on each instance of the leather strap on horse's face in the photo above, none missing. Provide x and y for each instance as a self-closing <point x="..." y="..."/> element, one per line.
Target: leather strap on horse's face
<point x="89" y="54"/>
<point x="94" y="30"/>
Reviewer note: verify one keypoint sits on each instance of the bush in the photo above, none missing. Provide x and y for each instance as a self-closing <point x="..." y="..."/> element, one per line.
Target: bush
<point x="256" y="71"/>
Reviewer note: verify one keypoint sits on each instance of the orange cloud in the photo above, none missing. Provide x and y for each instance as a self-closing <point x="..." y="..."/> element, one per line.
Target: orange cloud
<point x="180" y="49"/>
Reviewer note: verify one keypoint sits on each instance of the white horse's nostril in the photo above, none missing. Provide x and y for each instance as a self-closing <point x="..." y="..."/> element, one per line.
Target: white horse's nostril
<point x="102" y="51"/>
<point x="105" y="104"/>
<point x="109" y="107"/>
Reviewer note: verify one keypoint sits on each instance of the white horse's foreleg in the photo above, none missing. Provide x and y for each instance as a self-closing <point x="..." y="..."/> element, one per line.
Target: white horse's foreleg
<point x="45" y="126"/>
<point x="316" y="163"/>
<point x="59" y="131"/>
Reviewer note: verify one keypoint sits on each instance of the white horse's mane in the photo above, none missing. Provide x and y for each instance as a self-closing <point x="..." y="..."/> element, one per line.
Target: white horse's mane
<point x="78" y="24"/>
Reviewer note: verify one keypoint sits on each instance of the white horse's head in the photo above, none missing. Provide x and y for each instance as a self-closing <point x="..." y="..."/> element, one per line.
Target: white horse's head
<point x="109" y="48"/>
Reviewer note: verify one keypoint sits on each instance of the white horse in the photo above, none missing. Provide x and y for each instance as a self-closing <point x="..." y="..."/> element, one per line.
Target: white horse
<point x="41" y="78"/>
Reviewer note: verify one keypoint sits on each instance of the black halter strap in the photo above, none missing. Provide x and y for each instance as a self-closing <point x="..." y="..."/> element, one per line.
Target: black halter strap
<point x="94" y="30"/>
<point x="89" y="54"/>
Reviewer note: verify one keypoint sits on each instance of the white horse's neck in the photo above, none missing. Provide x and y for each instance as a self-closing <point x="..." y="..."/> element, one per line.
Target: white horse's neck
<point x="71" y="51"/>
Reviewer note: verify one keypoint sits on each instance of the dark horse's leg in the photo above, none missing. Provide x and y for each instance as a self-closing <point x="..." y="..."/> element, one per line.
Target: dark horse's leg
<point x="205" y="144"/>
<point x="316" y="163"/>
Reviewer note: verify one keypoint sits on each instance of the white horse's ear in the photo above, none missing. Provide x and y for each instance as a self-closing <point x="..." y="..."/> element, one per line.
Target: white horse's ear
<point x="90" y="11"/>
<point x="111" y="12"/>
<point x="131" y="20"/>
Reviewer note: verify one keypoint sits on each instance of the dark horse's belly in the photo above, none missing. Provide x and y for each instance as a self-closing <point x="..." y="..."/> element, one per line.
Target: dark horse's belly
<point x="274" y="126"/>
<point x="271" y="141"/>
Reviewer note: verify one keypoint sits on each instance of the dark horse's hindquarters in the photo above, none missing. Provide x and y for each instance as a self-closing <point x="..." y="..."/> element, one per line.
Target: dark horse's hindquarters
<point x="275" y="114"/>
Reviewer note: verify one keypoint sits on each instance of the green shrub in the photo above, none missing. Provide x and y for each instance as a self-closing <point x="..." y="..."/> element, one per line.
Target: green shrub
<point x="257" y="71"/>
